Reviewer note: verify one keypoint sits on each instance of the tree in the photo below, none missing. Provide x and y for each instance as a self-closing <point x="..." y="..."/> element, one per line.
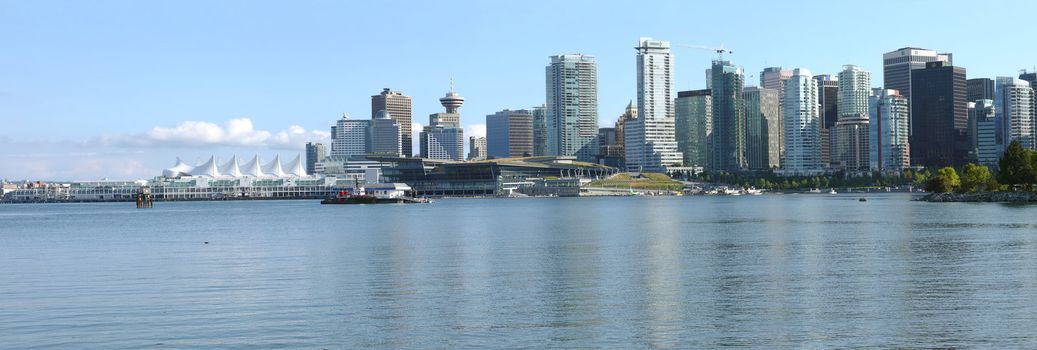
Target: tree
<point x="1016" y="165"/>
<point x="975" y="178"/>
<point x="920" y="178"/>
<point x="946" y="180"/>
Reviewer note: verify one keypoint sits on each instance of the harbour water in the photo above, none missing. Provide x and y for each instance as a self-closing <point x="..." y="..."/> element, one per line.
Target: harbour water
<point x="781" y="271"/>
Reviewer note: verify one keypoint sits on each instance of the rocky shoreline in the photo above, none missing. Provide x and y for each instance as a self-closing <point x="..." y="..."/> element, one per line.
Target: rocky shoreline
<point x="1011" y="197"/>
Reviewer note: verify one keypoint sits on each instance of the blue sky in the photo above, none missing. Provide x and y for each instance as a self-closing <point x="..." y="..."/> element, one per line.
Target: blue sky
<point x="117" y="89"/>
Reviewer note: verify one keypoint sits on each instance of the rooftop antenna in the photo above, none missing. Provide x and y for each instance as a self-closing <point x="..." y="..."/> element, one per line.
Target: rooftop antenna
<point x="451" y="83"/>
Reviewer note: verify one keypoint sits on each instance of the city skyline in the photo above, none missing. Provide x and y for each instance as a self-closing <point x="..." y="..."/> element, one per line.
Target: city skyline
<point x="117" y="103"/>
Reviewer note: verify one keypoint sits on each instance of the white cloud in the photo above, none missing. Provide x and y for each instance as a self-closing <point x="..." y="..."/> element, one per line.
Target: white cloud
<point x="144" y="154"/>
<point x="235" y="132"/>
<point x="477" y="130"/>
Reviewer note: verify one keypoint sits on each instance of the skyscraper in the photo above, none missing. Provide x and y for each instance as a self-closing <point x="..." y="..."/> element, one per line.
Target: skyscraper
<point x="609" y="152"/>
<point x="1030" y="77"/>
<point x="851" y="132"/>
<point x="628" y="117"/>
<point x="398" y="106"/>
<point x="694" y="124"/>
<point x="983" y="124"/>
<point x="349" y="137"/>
<point x="443" y="139"/>
<point x="762" y="128"/>
<point x="802" y="124"/>
<point x="728" y="147"/>
<point x="572" y="106"/>
<point x="774" y="78"/>
<point x="509" y="134"/>
<point x="476" y="148"/>
<point x="315" y="153"/>
<point x="540" y="130"/>
<point x="940" y="116"/>
<point x="897" y="66"/>
<point x="979" y="89"/>
<point x="386" y="136"/>
<point x="850" y="136"/>
<point x="854" y="91"/>
<point x="828" y="98"/>
<point x="650" y="143"/>
<point x="1015" y="108"/>
<point x="890" y="149"/>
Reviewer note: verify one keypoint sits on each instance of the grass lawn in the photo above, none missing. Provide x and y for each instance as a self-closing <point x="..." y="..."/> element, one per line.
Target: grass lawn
<point x="652" y="181"/>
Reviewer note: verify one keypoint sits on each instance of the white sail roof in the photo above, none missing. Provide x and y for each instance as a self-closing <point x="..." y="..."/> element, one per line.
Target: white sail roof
<point x="208" y="168"/>
<point x="231" y="168"/>
<point x="234" y="169"/>
<point x="274" y="167"/>
<point x="296" y="168"/>
<point x="253" y="168"/>
<point x="179" y="169"/>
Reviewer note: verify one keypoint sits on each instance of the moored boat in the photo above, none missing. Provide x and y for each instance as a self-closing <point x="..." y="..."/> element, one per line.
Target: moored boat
<point x="375" y="194"/>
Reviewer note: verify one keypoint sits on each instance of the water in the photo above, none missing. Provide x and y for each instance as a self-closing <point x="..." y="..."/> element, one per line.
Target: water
<point x="792" y="271"/>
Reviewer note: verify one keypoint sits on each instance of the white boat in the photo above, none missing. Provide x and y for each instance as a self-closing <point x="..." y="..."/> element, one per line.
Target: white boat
<point x="832" y="191"/>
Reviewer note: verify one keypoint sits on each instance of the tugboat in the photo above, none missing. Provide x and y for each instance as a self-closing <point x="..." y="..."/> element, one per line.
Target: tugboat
<point x="375" y="194"/>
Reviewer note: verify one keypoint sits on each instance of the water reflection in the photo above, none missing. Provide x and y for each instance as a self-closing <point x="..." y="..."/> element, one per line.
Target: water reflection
<point x="700" y="272"/>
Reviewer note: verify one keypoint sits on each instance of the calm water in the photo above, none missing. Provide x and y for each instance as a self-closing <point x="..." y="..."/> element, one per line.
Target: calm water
<point x="793" y="271"/>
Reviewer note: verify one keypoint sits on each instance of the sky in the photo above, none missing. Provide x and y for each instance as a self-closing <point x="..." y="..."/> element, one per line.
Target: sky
<point x="119" y="89"/>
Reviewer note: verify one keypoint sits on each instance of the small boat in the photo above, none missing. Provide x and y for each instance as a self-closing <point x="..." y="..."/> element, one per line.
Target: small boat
<point x="832" y="191"/>
<point x="862" y="199"/>
<point x="374" y="194"/>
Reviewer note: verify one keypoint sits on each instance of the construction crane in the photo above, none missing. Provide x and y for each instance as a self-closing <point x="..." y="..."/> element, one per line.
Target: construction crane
<point x="719" y="50"/>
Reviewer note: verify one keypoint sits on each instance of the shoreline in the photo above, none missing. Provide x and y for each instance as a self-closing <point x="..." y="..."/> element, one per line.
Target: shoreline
<point x="981" y="197"/>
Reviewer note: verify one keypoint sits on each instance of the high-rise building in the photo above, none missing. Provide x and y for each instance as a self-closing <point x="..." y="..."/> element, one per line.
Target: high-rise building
<point x="1015" y="110"/>
<point x="509" y="134"/>
<point x="774" y="78"/>
<point x="896" y="71"/>
<point x="609" y="152"/>
<point x="649" y="142"/>
<point x="849" y="135"/>
<point x="983" y="124"/>
<point x="628" y="116"/>
<point x="315" y="153"/>
<point x="540" y="130"/>
<point x="728" y="146"/>
<point x="451" y="118"/>
<point x="762" y="128"/>
<point x="851" y="143"/>
<point x="349" y="137"/>
<point x="802" y="124"/>
<point x="386" y="136"/>
<point x="398" y="106"/>
<point x="694" y="126"/>
<point x="476" y="148"/>
<point x="828" y="98"/>
<point x="572" y="106"/>
<point x="940" y="117"/>
<point x="443" y="139"/>
<point x="1030" y="77"/>
<point x="979" y="89"/>
<point x="854" y="91"/>
<point x="442" y="143"/>
<point x="888" y="140"/>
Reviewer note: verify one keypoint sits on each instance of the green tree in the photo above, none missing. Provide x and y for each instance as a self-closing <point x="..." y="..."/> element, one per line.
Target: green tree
<point x="946" y="180"/>
<point x="1016" y="165"/>
<point x="975" y="178"/>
